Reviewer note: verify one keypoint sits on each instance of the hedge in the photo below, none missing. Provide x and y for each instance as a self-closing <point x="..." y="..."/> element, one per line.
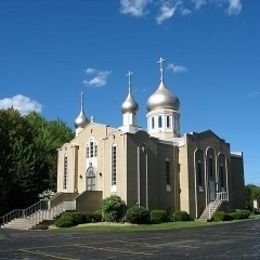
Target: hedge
<point x="219" y="216"/>
<point x="158" y="216"/>
<point x="138" y="215"/>
<point x="242" y="214"/>
<point x="180" y="215"/>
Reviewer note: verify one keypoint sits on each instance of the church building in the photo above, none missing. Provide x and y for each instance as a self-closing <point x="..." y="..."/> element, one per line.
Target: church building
<point x="157" y="168"/>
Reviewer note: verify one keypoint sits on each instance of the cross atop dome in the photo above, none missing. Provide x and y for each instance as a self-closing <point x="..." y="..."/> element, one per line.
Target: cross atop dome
<point x="129" y="75"/>
<point x="82" y="94"/>
<point x="161" y="61"/>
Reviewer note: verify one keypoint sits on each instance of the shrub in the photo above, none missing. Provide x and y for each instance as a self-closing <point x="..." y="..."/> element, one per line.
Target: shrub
<point x="180" y="215"/>
<point x="65" y="221"/>
<point x="96" y="216"/>
<point x="242" y="214"/>
<point x="40" y="227"/>
<point x="78" y="217"/>
<point x="137" y="215"/>
<point x="219" y="216"/>
<point x="230" y="216"/>
<point x="158" y="216"/>
<point x="68" y="219"/>
<point x="113" y="208"/>
<point x="87" y="217"/>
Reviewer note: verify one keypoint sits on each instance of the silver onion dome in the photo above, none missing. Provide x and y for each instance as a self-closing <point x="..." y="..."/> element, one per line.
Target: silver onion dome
<point x="129" y="105"/>
<point x="162" y="98"/>
<point x="81" y="120"/>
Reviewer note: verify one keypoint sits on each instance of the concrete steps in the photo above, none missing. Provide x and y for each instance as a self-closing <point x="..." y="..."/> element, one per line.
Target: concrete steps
<point x="26" y="223"/>
<point x="210" y="210"/>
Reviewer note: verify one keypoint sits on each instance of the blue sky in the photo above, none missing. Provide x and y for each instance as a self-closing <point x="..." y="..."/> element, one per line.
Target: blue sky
<point x="50" y="50"/>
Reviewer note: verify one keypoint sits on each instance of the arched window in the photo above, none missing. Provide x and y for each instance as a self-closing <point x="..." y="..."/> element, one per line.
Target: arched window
<point x="65" y="172"/>
<point x="159" y="121"/>
<point x="221" y="172"/>
<point x="90" y="178"/>
<point x="113" y="164"/>
<point x="92" y="149"/>
<point x="199" y="170"/>
<point x="167" y="171"/>
<point x="211" y="164"/>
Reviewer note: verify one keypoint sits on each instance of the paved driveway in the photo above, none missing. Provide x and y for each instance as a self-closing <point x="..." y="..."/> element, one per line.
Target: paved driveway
<point x="231" y="241"/>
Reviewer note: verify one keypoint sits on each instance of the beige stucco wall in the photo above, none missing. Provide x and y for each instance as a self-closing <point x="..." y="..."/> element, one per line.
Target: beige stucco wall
<point x="78" y="163"/>
<point x="141" y="176"/>
<point x="153" y="192"/>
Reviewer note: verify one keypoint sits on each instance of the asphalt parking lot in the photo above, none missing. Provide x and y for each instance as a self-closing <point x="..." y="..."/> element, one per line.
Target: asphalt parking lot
<point x="230" y="241"/>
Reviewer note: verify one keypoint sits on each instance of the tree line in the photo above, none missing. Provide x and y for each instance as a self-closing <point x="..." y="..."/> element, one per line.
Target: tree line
<point x="252" y="193"/>
<point x="28" y="157"/>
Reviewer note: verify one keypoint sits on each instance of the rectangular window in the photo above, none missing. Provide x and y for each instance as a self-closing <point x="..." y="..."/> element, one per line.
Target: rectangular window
<point x="113" y="165"/>
<point x="210" y="167"/>
<point x="152" y="122"/>
<point x="199" y="172"/>
<point x="159" y="121"/>
<point x="87" y="152"/>
<point x="91" y="183"/>
<point x="167" y="172"/>
<point x="96" y="149"/>
<point x="65" y="172"/>
<point x="168" y="121"/>
<point x="221" y="176"/>
<point x="91" y="149"/>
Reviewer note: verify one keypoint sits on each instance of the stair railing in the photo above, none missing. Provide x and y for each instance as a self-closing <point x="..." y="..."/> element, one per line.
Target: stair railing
<point x="220" y="197"/>
<point x="38" y="211"/>
<point x="24" y="213"/>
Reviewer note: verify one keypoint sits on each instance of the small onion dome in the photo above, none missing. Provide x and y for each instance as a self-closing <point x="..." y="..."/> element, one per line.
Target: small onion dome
<point x="129" y="105"/>
<point x="81" y="120"/>
<point x="162" y="98"/>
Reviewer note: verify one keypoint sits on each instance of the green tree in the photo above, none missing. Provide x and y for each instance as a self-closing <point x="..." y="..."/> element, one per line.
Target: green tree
<point x="28" y="156"/>
<point x="252" y="192"/>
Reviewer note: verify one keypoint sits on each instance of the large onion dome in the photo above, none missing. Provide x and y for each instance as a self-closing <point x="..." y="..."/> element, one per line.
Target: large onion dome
<point x="129" y="105"/>
<point x="81" y="120"/>
<point x="162" y="98"/>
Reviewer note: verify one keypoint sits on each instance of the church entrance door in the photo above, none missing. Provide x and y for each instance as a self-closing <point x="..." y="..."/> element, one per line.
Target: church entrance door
<point x="212" y="190"/>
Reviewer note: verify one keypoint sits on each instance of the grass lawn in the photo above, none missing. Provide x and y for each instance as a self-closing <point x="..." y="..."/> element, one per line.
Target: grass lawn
<point x="136" y="228"/>
<point x="117" y="227"/>
<point x="2" y="236"/>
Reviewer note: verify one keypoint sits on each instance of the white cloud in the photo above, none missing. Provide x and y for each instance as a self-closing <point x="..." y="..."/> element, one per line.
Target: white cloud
<point x="134" y="7"/>
<point x="252" y="94"/>
<point x="167" y="10"/>
<point x="176" y="68"/>
<point x="199" y="3"/>
<point x="234" y="7"/>
<point x="99" y="77"/>
<point x="90" y="71"/>
<point x="186" y="11"/>
<point x="23" y="104"/>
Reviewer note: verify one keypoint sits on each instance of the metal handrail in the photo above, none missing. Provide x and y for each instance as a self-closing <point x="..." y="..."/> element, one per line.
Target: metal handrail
<point x="221" y="196"/>
<point x="38" y="211"/>
<point x="16" y="213"/>
<point x="40" y="205"/>
<point x="24" y="213"/>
